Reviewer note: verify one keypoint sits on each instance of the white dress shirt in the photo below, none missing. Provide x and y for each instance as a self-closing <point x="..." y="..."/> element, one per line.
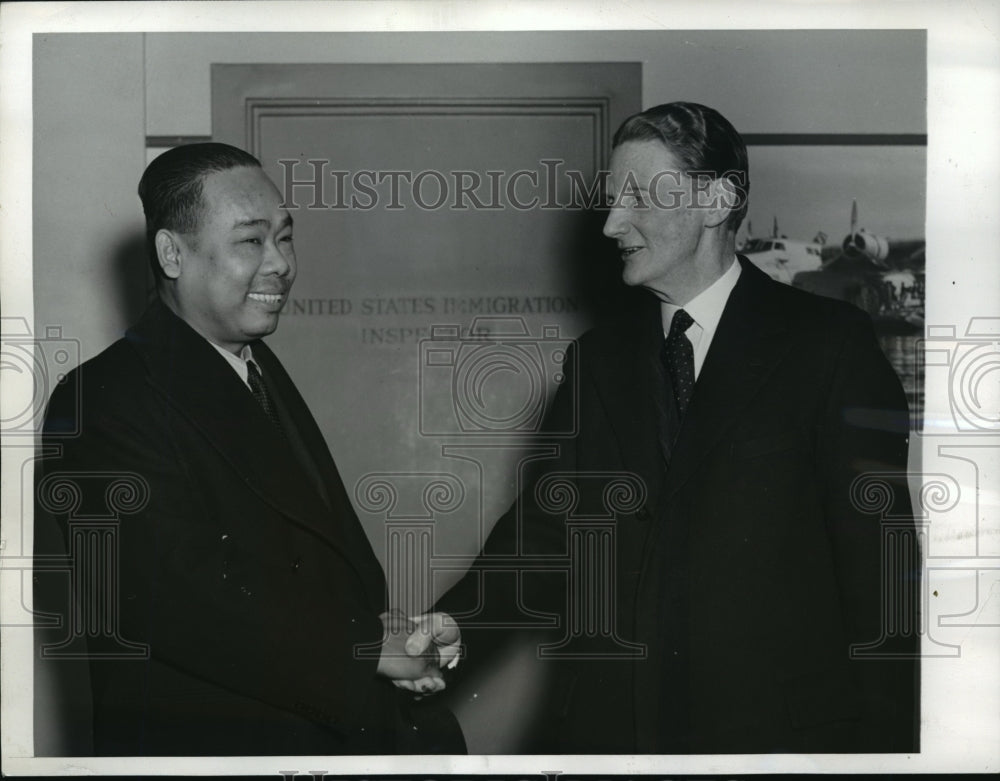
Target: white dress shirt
<point x="706" y="311"/>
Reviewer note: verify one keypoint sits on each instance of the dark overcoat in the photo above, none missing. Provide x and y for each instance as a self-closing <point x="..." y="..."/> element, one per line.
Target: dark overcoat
<point x="240" y="562"/>
<point x="757" y="547"/>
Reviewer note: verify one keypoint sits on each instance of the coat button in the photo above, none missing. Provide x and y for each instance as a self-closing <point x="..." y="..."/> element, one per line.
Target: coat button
<point x="642" y="514"/>
<point x="296" y="563"/>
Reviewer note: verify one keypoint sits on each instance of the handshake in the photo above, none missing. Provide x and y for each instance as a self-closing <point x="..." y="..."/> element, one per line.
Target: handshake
<point x="417" y="651"/>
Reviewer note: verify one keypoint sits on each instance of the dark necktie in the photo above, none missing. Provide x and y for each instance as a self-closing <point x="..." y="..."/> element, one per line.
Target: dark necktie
<point x="259" y="391"/>
<point x="678" y="354"/>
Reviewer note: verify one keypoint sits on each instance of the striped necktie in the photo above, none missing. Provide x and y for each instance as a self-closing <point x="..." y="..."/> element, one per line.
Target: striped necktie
<point x="259" y="391"/>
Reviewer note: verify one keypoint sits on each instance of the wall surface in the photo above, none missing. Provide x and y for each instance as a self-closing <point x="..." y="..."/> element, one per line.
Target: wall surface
<point x="89" y="152"/>
<point x="89" y="268"/>
<point x="98" y="96"/>
<point x="789" y="81"/>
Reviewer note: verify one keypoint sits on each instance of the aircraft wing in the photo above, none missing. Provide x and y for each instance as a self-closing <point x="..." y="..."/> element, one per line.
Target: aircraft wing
<point x="907" y="253"/>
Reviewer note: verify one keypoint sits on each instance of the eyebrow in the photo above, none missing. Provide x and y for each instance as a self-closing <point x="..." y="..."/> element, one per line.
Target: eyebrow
<point x="285" y="221"/>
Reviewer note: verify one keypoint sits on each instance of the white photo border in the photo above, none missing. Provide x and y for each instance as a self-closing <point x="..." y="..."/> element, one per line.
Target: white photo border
<point x="963" y="279"/>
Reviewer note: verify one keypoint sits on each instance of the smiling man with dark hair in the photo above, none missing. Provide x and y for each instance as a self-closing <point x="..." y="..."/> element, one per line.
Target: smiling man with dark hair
<point x="242" y="567"/>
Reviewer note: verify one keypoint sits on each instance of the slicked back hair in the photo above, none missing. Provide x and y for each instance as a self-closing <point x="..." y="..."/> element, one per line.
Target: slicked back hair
<point x="171" y="188"/>
<point x="701" y="138"/>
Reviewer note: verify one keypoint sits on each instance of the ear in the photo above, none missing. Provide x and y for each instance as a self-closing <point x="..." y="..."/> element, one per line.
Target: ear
<point x="168" y="253"/>
<point x="724" y="200"/>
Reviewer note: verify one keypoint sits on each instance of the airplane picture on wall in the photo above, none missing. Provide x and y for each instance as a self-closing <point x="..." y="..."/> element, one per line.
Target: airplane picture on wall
<point x="883" y="276"/>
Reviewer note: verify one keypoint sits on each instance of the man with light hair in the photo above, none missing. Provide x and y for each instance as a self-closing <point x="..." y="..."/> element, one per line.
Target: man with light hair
<point x="753" y="602"/>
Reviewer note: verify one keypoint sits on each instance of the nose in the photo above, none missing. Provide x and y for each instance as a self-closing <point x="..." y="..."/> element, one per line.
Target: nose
<point x="279" y="260"/>
<point x="614" y="225"/>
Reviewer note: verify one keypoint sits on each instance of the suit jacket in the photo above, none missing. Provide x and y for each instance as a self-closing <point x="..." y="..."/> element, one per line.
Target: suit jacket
<point x="240" y="562"/>
<point x="743" y="568"/>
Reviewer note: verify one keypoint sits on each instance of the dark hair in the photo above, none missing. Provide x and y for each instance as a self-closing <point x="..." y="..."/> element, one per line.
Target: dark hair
<point x="703" y="140"/>
<point x="171" y="188"/>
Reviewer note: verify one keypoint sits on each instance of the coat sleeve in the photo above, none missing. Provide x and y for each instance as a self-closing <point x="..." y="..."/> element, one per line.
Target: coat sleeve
<point x="863" y="449"/>
<point x="238" y="617"/>
<point x="490" y="600"/>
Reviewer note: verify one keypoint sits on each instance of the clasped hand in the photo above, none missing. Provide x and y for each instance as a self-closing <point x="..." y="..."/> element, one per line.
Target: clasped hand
<point x="416" y="651"/>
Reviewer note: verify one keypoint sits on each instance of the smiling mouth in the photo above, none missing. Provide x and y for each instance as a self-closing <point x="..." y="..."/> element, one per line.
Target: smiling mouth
<point x="629" y="251"/>
<point x="266" y="298"/>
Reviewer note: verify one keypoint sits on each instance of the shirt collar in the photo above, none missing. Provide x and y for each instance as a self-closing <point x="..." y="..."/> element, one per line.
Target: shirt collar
<point x="706" y="307"/>
<point x="238" y="362"/>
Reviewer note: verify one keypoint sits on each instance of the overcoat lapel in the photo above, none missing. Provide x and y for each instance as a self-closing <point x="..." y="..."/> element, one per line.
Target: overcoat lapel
<point x="315" y="443"/>
<point x="201" y="387"/>
<point x="631" y="385"/>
